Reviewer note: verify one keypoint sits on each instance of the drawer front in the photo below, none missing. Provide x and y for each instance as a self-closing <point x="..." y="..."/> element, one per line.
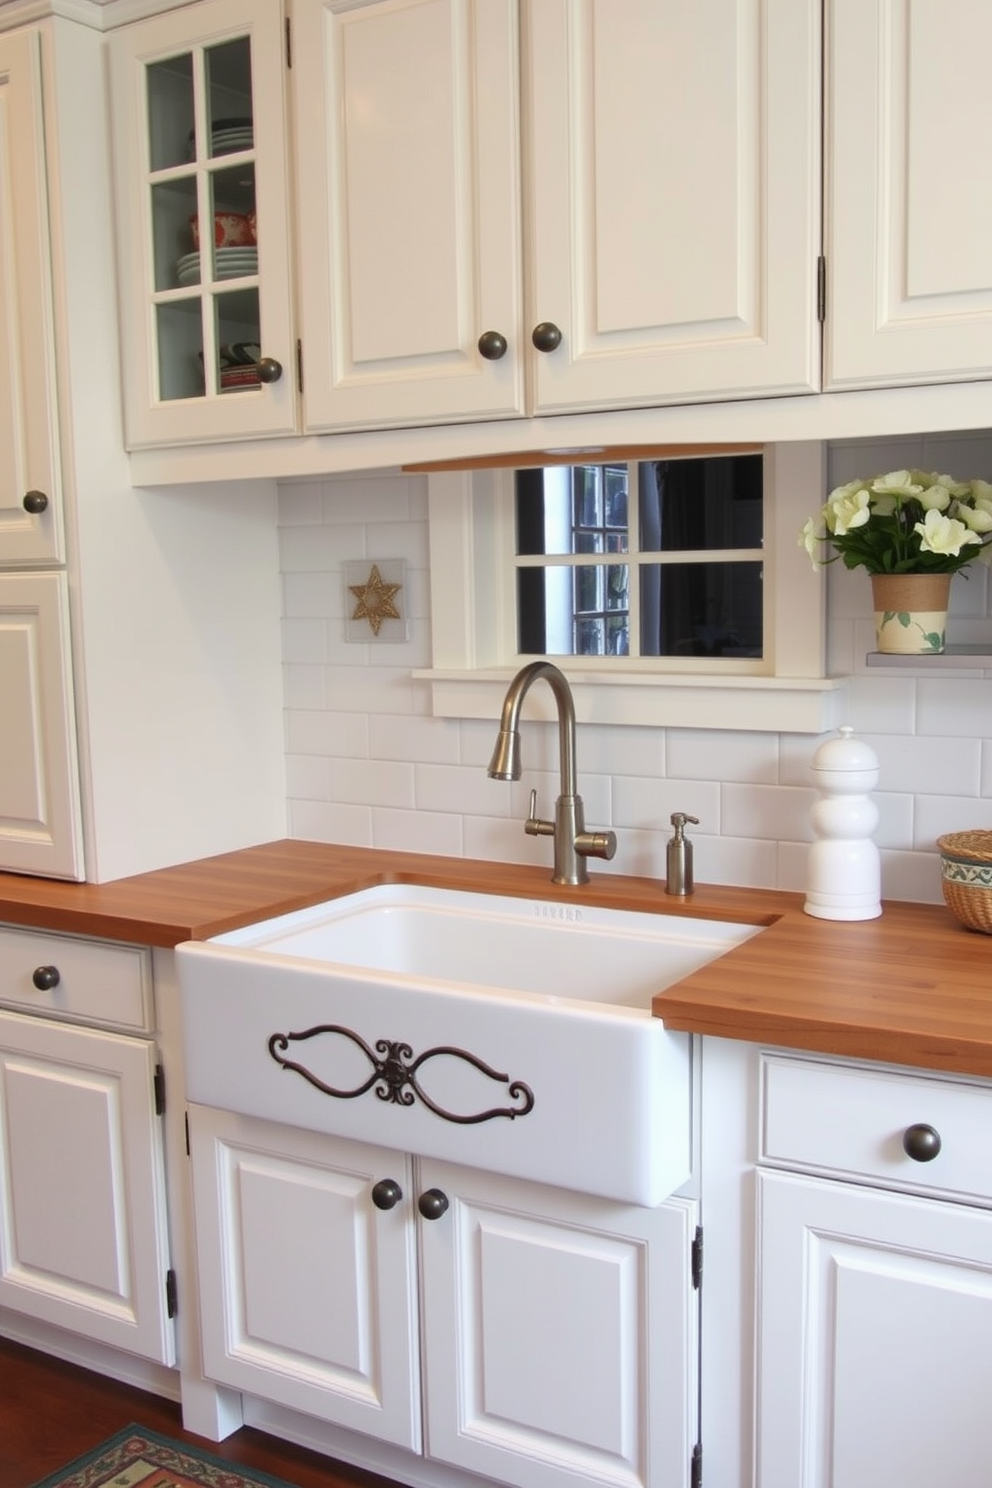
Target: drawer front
<point x="850" y="1122"/>
<point x="62" y="976"/>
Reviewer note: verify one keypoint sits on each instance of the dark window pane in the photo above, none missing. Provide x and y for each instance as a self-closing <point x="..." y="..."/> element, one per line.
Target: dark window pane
<point x="699" y="504"/>
<point x="701" y="609"/>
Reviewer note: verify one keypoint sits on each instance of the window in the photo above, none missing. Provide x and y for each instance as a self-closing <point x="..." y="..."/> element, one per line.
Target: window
<point x="677" y="544"/>
<point x="689" y="603"/>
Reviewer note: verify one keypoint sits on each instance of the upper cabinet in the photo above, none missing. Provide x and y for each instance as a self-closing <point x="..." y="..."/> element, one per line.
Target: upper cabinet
<point x="409" y="210"/>
<point x="500" y="209"/>
<point x="632" y="222"/>
<point x="30" y="491"/>
<point x="200" y="139"/>
<point x="671" y="178"/>
<point x="909" y="210"/>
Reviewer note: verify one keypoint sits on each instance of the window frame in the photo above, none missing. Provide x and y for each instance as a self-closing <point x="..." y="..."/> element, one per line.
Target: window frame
<point x="473" y="610"/>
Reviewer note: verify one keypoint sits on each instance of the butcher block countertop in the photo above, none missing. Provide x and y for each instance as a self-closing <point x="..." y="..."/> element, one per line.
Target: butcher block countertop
<point x="912" y="987"/>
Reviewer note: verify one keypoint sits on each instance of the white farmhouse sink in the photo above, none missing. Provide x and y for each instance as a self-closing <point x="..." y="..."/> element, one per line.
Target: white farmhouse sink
<point x="509" y="1034"/>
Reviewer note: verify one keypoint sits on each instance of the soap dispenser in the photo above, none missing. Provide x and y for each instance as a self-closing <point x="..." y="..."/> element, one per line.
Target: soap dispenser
<point x="843" y="876"/>
<point x="680" y="856"/>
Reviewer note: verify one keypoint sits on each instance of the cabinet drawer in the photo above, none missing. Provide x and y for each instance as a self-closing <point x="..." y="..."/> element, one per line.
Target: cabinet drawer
<point x="98" y="981"/>
<point x="849" y="1121"/>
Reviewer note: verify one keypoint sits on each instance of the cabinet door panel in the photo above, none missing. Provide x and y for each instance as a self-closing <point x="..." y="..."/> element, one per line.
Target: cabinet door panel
<point x="307" y="1289"/>
<point x="82" y="1195"/>
<point x="410" y="234"/>
<point x="559" y="1333"/>
<point x="39" y="787"/>
<point x="673" y="180"/>
<point x="909" y="221"/>
<point x="875" y="1328"/>
<point x="28" y="440"/>
<point x="200" y="128"/>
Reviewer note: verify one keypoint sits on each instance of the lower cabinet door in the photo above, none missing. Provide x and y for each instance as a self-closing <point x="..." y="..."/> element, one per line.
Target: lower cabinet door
<point x="307" y="1287"/>
<point x="40" y="829"/>
<point x="83" y="1230"/>
<point x="875" y="1338"/>
<point x="560" y="1338"/>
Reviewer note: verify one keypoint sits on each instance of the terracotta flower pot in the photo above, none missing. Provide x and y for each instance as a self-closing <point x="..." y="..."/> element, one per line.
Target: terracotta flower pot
<point x="910" y="612"/>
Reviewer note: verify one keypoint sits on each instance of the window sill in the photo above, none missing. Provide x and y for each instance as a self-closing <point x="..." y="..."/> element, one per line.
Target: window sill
<point x="787" y="705"/>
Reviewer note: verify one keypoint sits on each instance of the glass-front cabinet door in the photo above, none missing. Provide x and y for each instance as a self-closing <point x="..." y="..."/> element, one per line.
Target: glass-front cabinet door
<point x="202" y="180"/>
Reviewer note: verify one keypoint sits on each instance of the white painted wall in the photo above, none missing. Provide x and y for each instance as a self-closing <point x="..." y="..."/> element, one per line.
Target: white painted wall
<point x="366" y="764"/>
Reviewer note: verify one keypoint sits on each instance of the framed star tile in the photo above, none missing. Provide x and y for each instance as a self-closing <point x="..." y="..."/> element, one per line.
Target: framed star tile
<point x="376" y="600"/>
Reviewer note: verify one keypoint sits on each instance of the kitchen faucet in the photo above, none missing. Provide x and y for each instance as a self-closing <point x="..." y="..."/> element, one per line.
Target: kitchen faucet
<point x="573" y="844"/>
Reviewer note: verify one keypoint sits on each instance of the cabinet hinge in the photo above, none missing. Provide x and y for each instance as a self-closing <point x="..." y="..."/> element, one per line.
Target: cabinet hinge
<point x="697" y="1258"/>
<point x="159" y="1088"/>
<point x="171" y="1293"/>
<point x="821" y="289"/>
<point x="289" y="43"/>
<point x="299" y="367"/>
<point x="696" y="1469"/>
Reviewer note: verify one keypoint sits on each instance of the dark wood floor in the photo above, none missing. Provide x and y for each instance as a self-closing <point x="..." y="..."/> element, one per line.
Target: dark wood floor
<point x="52" y="1412"/>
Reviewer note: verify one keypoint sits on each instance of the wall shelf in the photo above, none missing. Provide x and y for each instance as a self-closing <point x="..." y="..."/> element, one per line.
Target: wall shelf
<point x="975" y="655"/>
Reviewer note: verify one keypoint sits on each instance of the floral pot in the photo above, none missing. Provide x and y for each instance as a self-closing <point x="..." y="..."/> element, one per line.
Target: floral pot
<point x="910" y="612"/>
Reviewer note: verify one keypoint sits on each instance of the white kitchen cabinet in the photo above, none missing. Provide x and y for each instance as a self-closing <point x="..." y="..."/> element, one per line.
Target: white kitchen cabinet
<point x="557" y="1331"/>
<point x="874" y="1308"/>
<point x="908" y="215"/>
<point x="40" y="823"/>
<point x="665" y="205"/>
<point x="83" y="1237"/>
<point x="408" y="171"/>
<point x="199" y="120"/>
<point x="30" y="488"/>
<point x="671" y="199"/>
<point x="163" y="610"/>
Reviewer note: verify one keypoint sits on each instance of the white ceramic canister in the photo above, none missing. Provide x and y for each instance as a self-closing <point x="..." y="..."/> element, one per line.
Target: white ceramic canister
<point x="844" y="874"/>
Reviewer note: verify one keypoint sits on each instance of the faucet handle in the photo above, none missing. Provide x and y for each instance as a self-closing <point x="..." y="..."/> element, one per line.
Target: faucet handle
<point x="534" y="826"/>
<point x="596" y="844"/>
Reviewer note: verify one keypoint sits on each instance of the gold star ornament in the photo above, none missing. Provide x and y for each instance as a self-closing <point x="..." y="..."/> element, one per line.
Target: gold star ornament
<point x="376" y="600"/>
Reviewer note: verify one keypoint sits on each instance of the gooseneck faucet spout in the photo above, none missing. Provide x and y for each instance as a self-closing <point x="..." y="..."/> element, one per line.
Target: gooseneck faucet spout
<point x="573" y="844"/>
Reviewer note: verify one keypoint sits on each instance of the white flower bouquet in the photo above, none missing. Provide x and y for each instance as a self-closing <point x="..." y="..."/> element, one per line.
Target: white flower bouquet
<point x="905" y="522"/>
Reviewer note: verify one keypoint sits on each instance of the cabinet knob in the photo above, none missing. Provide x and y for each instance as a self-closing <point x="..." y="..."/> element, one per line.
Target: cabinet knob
<point x="386" y="1194"/>
<point x="546" y="336"/>
<point x="921" y="1142"/>
<point x="46" y="977"/>
<point x="433" y="1203"/>
<point x="269" y="370"/>
<point x="492" y="346"/>
<point x="35" y="502"/>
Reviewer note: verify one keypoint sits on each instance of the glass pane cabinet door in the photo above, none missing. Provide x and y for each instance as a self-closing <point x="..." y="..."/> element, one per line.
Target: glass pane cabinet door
<point x="205" y="262"/>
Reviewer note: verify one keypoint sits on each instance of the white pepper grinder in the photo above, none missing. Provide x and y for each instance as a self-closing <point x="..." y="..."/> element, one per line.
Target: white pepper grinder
<point x="844" y="875"/>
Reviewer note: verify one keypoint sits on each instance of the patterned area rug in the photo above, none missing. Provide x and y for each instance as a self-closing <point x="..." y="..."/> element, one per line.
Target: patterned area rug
<point x="138" y="1458"/>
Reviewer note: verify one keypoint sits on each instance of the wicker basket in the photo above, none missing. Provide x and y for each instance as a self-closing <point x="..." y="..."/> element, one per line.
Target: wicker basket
<point x="966" y="877"/>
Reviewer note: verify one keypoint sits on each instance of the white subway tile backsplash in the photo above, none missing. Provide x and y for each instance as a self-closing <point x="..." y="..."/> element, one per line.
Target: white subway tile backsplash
<point x="308" y="777"/>
<point x="367" y="764"/>
<point x="722" y="754"/>
<point x="650" y="803"/>
<point x="427" y="740"/>
<point x="907" y="763"/>
<point x="437" y="832"/>
<point x="463" y="789"/>
<point x="364" y="781"/>
<point x="935" y="815"/>
<point x="323" y="821"/>
<point x="303" y="687"/>
<point x="778" y="813"/>
<point x="331" y="735"/>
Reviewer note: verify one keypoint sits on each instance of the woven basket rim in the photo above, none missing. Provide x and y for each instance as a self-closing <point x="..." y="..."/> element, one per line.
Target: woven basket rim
<point x="973" y="847"/>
